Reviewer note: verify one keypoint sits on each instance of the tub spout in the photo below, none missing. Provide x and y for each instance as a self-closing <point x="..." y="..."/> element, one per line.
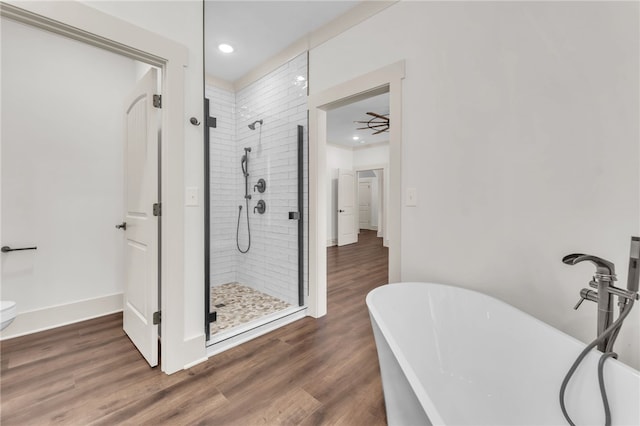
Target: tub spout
<point x="603" y="267"/>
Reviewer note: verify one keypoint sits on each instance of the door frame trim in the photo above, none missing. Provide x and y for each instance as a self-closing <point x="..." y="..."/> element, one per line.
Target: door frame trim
<point x="385" y="79"/>
<point x="90" y="26"/>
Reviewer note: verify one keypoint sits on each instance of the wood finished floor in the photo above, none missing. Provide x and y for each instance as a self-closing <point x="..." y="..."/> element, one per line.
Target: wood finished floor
<point x="312" y="372"/>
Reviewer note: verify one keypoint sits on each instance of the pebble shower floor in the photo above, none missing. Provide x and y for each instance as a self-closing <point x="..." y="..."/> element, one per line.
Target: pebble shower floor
<point x="237" y="304"/>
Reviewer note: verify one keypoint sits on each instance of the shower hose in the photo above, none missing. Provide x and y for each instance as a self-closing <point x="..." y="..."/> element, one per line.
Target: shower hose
<point x="238" y="227"/>
<point x="612" y="331"/>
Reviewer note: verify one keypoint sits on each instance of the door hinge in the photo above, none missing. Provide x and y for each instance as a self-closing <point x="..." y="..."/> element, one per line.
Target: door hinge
<point x="157" y="317"/>
<point x="213" y="316"/>
<point x="157" y="101"/>
<point x="157" y="209"/>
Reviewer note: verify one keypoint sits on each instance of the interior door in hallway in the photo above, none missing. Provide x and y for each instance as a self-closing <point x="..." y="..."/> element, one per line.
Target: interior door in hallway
<point x="364" y="204"/>
<point x="141" y="293"/>
<point x="347" y="232"/>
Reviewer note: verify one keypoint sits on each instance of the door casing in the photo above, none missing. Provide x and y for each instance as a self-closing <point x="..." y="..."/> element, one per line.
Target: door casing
<point x="385" y="79"/>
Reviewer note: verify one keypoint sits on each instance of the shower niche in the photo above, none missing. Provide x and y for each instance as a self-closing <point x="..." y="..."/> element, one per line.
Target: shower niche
<point x="257" y="202"/>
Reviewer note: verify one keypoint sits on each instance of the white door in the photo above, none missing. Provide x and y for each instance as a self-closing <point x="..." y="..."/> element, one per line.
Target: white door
<point x="141" y="233"/>
<point x="347" y="232"/>
<point x="364" y="204"/>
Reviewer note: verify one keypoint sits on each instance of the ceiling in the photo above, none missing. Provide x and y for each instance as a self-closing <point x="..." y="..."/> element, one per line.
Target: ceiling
<point x="341" y="126"/>
<point x="259" y="30"/>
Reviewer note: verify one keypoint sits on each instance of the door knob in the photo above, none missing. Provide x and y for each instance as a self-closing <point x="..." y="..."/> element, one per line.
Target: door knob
<point x="122" y="226"/>
<point x="340" y="211"/>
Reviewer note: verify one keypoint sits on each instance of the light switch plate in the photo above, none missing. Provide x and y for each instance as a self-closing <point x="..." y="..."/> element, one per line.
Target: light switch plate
<point x="412" y="197"/>
<point x="191" y="196"/>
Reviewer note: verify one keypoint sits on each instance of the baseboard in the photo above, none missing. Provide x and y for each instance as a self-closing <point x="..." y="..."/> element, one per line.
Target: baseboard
<point x="57" y="316"/>
<point x="194" y="351"/>
<point x="332" y="242"/>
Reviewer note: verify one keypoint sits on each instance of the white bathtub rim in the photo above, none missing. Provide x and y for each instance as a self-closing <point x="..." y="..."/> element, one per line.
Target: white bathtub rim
<point x="580" y="345"/>
<point x="423" y="396"/>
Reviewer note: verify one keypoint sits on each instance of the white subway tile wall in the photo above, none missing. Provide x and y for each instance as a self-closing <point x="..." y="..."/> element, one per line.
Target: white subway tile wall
<point x="280" y="100"/>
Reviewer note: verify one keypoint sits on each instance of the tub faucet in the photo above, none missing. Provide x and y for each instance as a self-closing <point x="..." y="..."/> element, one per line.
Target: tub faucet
<point x="602" y="281"/>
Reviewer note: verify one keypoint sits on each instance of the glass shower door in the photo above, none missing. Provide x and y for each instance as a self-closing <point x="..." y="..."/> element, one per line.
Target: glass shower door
<point x="257" y="166"/>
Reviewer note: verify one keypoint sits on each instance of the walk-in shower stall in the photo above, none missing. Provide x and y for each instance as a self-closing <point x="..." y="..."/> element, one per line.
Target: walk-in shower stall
<point x="257" y="201"/>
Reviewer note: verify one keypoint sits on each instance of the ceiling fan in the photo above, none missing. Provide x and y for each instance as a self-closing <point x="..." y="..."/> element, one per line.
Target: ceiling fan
<point x="379" y="123"/>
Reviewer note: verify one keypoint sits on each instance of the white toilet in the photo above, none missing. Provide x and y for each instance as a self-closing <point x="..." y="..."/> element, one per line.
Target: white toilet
<point x="8" y="312"/>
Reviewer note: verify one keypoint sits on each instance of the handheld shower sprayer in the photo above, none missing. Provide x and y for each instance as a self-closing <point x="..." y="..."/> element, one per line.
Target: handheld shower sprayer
<point x="633" y="279"/>
<point x="244" y="163"/>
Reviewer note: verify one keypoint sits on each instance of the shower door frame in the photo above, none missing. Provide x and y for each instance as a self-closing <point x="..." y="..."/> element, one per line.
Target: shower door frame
<point x="211" y="122"/>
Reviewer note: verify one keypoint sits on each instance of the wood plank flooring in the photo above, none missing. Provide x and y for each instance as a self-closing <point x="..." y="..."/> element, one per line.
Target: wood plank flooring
<point x="312" y="372"/>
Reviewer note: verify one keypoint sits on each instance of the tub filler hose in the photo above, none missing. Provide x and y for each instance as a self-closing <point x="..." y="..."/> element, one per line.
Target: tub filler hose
<point x="613" y="331"/>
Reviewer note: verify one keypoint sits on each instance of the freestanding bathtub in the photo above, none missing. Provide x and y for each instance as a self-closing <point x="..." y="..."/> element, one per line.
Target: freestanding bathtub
<point x="457" y="357"/>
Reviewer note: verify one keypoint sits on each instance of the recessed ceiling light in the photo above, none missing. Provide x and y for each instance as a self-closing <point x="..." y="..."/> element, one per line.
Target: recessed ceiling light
<point x="361" y="141"/>
<point x="355" y="138"/>
<point x="225" y="48"/>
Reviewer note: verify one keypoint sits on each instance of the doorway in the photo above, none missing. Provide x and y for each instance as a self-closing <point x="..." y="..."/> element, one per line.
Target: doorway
<point x="387" y="79"/>
<point x="67" y="175"/>
<point x="89" y="27"/>
<point x="357" y="157"/>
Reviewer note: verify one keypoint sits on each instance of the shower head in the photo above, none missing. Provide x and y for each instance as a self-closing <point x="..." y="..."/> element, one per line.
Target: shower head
<point x="252" y="126"/>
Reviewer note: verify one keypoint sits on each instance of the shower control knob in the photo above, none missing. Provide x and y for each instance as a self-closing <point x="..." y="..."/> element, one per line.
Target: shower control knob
<point x="586" y="294"/>
<point x="261" y="186"/>
<point x="261" y="207"/>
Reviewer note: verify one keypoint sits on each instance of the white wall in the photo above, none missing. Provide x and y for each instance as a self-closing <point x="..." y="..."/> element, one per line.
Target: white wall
<point x="375" y="155"/>
<point x="520" y="133"/>
<point x="62" y="176"/>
